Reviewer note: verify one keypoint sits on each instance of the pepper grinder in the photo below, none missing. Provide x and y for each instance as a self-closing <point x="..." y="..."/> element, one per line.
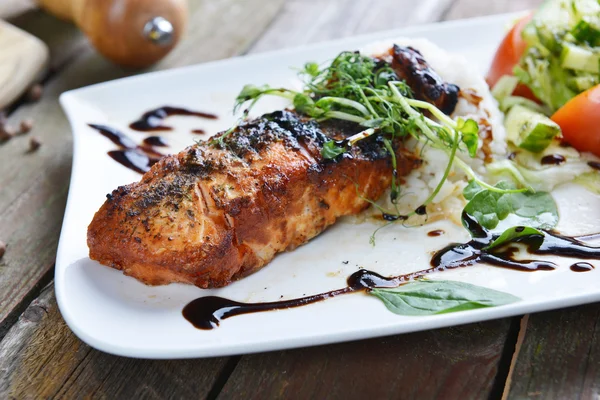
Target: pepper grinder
<point x="131" y="33"/>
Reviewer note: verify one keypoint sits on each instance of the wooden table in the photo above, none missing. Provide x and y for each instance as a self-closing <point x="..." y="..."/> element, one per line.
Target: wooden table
<point x="548" y="355"/>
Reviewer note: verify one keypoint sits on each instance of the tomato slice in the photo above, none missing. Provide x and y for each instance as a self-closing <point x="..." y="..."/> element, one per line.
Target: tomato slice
<point x="508" y="55"/>
<point x="579" y="120"/>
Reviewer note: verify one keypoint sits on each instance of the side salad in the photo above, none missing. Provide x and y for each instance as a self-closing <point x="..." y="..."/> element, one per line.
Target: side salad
<point x="546" y="76"/>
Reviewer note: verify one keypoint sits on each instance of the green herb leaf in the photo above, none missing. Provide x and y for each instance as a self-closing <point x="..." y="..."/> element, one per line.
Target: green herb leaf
<point x="425" y="297"/>
<point x="373" y="123"/>
<point x="536" y="210"/>
<point x="249" y="92"/>
<point x="470" y="134"/>
<point x="311" y="69"/>
<point x="471" y="190"/>
<point x="585" y="32"/>
<point x="511" y="234"/>
<point x="331" y="150"/>
<point x="305" y="105"/>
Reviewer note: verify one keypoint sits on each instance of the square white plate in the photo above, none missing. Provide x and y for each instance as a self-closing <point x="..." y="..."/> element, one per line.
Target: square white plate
<point x="119" y="315"/>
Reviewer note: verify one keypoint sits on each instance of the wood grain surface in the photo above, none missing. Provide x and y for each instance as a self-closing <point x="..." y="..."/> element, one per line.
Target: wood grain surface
<point x="473" y="8"/>
<point x="454" y="363"/>
<point x="41" y="358"/>
<point x="10" y="8"/>
<point x="557" y="355"/>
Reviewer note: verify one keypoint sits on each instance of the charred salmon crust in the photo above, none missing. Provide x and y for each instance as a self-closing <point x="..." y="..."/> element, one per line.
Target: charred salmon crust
<point x="212" y="214"/>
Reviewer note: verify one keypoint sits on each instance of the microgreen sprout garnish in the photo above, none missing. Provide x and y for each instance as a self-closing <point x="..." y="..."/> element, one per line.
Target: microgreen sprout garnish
<point x="368" y="92"/>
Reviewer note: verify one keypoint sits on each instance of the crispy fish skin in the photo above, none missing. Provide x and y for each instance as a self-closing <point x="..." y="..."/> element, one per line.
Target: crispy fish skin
<point x="210" y="215"/>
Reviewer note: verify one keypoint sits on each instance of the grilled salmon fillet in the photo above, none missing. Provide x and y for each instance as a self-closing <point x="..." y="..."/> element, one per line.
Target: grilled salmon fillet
<point x="215" y="213"/>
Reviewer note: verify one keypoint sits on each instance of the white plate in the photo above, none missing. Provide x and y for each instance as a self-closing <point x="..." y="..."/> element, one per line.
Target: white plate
<point x="119" y="315"/>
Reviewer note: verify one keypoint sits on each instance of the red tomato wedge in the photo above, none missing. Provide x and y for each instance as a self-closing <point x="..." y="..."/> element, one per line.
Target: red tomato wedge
<point x="579" y="120"/>
<point x="508" y="55"/>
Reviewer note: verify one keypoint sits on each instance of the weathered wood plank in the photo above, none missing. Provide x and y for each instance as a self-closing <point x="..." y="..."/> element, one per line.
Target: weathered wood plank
<point x="310" y="21"/>
<point x="10" y="8"/>
<point x="41" y="358"/>
<point x="559" y="357"/>
<point x="453" y="363"/>
<point x="63" y="39"/>
<point x="474" y="8"/>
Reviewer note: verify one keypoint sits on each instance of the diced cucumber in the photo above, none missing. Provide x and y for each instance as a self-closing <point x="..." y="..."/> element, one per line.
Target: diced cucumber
<point x="556" y="13"/>
<point x="530" y="35"/>
<point x="510" y="101"/>
<point x="580" y="59"/>
<point x="556" y="19"/>
<point x="583" y="82"/>
<point x="550" y="38"/>
<point x="546" y="78"/>
<point x="505" y="87"/>
<point x="564" y="14"/>
<point x="586" y="33"/>
<point x="529" y="130"/>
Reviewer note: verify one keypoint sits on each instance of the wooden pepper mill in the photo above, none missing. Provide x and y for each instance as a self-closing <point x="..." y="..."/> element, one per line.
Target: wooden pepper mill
<point x="131" y="33"/>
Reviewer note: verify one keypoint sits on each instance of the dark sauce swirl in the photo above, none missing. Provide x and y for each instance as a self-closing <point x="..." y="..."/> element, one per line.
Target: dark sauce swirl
<point x="138" y="158"/>
<point x="553" y="159"/>
<point x="581" y="267"/>
<point x="152" y="120"/>
<point x="436" y="232"/>
<point x="208" y="312"/>
<point x="595" y="165"/>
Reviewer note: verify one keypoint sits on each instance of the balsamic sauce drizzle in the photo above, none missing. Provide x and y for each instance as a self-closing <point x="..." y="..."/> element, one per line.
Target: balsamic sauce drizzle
<point x="115" y="136"/>
<point x="435" y="232"/>
<point x="156" y="141"/>
<point x="208" y="312"/>
<point x="595" y="165"/>
<point x="133" y="159"/>
<point x="138" y="158"/>
<point x="552" y="159"/>
<point x="581" y="267"/>
<point x="152" y="120"/>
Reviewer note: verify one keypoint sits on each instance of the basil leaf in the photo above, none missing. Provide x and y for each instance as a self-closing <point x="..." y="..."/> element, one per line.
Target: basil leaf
<point x="331" y="150"/>
<point x="471" y="190"/>
<point x="427" y="297"/>
<point x="511" y="234"/>
<point x="536" y="210"/>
